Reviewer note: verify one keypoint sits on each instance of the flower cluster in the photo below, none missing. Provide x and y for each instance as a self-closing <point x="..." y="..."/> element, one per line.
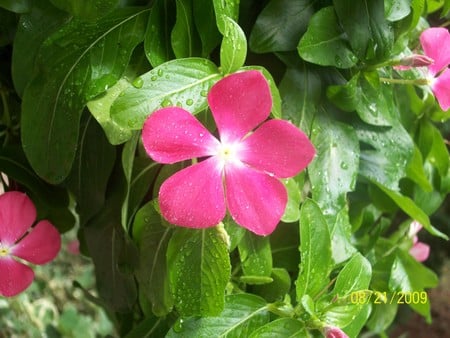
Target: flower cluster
<point x="240" y="172"/>
<point x="21" y="241"/>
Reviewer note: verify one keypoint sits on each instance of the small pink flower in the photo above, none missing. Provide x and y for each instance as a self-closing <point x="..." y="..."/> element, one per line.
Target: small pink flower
<point x="241" y="171"/>
<point x="420" y="251"/>
<point x="436" y="45"/>
<point x="334" y="332"/>
<point x="19" y="239"/>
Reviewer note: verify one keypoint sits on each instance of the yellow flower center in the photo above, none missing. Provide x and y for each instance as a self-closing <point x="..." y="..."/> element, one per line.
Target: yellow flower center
<point x="4" y="251"/>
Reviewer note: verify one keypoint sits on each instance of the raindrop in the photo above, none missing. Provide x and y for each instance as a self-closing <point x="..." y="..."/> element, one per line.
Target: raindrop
<point x="344" y="165"/>
<point x="178" y="326"/>
<point x="138" y="82"/>
<point x="160" y="72"/>
<point x="166" y="103"/>
<point x="204" y="93"/>
<point x="154" y="78"/>
<point x="189" y="102"/>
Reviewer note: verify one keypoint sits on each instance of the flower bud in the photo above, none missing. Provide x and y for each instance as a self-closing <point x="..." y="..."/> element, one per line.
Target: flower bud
<point x="416" y="60"/>
<point x="334" y="332"/>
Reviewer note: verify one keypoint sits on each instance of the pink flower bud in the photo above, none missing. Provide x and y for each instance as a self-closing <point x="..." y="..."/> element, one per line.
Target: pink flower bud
<point x="334" y="332"/>
<point x="416" y="60"/>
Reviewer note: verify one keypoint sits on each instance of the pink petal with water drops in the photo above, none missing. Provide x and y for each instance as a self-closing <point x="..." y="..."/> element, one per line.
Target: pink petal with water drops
<point x="194" y="197"/>
<point x="17" y="214"/>
<point x="40" y="246"/>
<point x="277" y="147"/>
<point x="420" y="251"/>
<point x="239" y="103"/>
<point x="15" y="277"/>
<point x="255" y="200"/>
<point x="436" y="44"/>
<point x="172" y="135"/>
<point x="441" y="89"/>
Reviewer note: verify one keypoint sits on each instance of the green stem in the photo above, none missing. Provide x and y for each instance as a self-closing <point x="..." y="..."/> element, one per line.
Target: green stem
<point x="419" y="82"/>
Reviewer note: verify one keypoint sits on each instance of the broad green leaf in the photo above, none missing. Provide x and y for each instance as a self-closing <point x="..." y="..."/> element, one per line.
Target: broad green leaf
<point x="199" y="270"/>
<point x="205" y="21"/>
<point x="100" y="108"/>
<point x="411" y="209"/>
<point x="183" y="82"/>
<point x="385" y="153"/>
<point x="184" y="37"/>
<point x="280" y="25"/>
<point x="157" y="42"/>
<point x="33" y="28"/>
<point x="382" y="317"/>
<point x="86" y="9"/>
<point x="277" y="289"/>
<point x="233" y="49"/>
<point x="395" y="10"/>
<point x="356" y="325"/>
<point x="282" y="327"/>
<point x="433" y="148"/>
<point x="152" y="239"/>
<point x="415" y="171"/>
<point x="235" y="232"/>
<point x="324" y="43"/>
<point x="223" y="9"/>
<point x="70" y="75"/>
<point x="16" y="6"/>
<point x="418" y="7"/>
<point x="333" y="171"/>
<point x="370" y="34"/>
<point x="256" y="257"/>
<point x="315" y="250"/>
<point x="149" y="327"/>
<point x="340" y="233"/>
<point x="92" y="167"/>
<point x="292" y="212"/>
<point x="242" y="315"/>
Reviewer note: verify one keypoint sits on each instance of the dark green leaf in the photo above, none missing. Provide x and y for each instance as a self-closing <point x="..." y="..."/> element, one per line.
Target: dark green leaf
<point x="233" y="49"/>
<point x="70" y="75"/>
<point x="184" y="37"/>
<point x="205" y="21"/>
<point x="93" y="164"/>
<point x="315" y="250"/>
<point x="280" y="25"/>
<point x="152" y="238"/>
<point x="184" y="83"/>
<point x="157" y="41"/>
<point x="242" y="314"/>
<point x="335" y="167"/>
<point x="324" y="42"/>
<point x="256" y="256"/>
<point x="282" y="327"/>
<point x="277" y="289"/>
<point x="86" y="9"/>
<point x="199" y="270"/>
<point x="148" y="328"/>
<point x="284" y="242"/>
<point x="16" y="6"/>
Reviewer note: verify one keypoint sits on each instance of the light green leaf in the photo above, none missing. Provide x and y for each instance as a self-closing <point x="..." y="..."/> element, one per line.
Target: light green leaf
<point x="199" y="270"/>
<point x="315" y="250"/>
<point x="282" y="327"/>
<point x="16" y="6"/>
<point x="183" y="82"/>
<point x="292" y="212"/>
<point x="242" y="314"/>
<point x="416" y="172"/>
<point x="233" y="49"/>
<point x="324" y="42"/>
<point x="395" y="10"/>
<point x="256" y="257"/>
<point x="70" y="75"/>
<point x="224" y="9"/>
<point x="340" y="233"/>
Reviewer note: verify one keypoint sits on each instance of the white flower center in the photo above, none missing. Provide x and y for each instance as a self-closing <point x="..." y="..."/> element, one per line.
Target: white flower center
<point x="228" y="152"/>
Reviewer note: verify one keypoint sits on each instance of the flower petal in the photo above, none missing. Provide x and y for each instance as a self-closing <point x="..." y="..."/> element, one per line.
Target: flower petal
<point x="17" y="214"/>
<point x="279" y="148"/>
<point x="15" y="277"/>
<point x="172" y="134"/>
<point x="436" y="44"/>
<point x="194" y="197"/>
<point x="40" y="246"/>
<point x="239" y="103"/>
<point x="420" y="251"/>
<point x="441" y="89"/>
<point x="255" y="200"/>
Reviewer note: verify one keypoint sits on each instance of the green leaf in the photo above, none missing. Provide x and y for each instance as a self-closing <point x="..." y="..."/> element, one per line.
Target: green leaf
<point x="205" y="21"/>
<point x="33" y="28"/>
<point x="433" y="148"/>
<point x="324" y="42"/>
<point x="385" y="153"/>
<point x="354" y="328"/>
<point x="416" y="172"/>
<point x="152" y="239"/>
<point x="282" y="327"/>
<point x="280" y="25"/>
<point x="284" y="242"/>
<point x="184" y="83"/>
<point x="277" y="289"/>
<point x="370" y="35"/>
<point x="149" y="327"/>
<point x="235" y="232"/>
<point x="333" y="172"/>
<point x="395" y="10"/>
<point x="184" y="37"/>
<point x="411" y="209"/>
<point x="86" y="9"/>
<point x="233" y="49"/>
<point x="157" y="42"/>
<point x="292" y="212"/>
<point x="16" y="6"/>
<point x="225" y="9"/>
<point x="340" y="233"/>
<point x="242" y="314"/>
<point x="71" y="75"/>
<point x="256" y="257"/>
<point x="100" y="108"/>
<point x="315" y="249"/>
<point x="382" y="317"/>
<point x="199" y="270"/>
<point x="92" y="167"/>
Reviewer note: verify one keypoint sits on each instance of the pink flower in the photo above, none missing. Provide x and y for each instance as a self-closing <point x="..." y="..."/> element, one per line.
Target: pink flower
<point x="19" y="239"/>
<point x="420" y="251"/>
<point x="436" y="45"/>
<point x="334" y="332"/>
<point x="241" y="171"/>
